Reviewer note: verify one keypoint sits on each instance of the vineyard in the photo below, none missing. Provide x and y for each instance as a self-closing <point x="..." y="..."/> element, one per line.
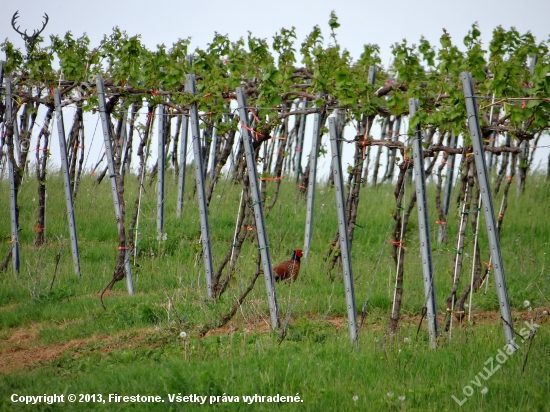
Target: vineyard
<point x="421" y="244"/>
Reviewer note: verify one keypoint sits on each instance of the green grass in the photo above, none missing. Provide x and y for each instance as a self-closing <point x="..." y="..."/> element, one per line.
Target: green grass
<point x="134" y="347"/>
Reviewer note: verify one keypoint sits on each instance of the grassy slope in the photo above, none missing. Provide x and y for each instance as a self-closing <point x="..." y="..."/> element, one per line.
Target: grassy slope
<point x="134" y="347"/>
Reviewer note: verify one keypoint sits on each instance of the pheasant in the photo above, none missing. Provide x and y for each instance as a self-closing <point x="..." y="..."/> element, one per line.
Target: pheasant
<point x="289" y="270"/>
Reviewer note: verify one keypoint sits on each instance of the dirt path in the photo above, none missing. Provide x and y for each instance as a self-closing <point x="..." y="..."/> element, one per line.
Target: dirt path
<point x="24" y="349"/>
<point x="478" y="319"/>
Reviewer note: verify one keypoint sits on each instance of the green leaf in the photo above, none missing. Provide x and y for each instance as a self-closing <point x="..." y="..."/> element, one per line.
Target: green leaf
<point x="275" y="101"/>
<point x="445" y="40"/>
<point x="333" y="22"/>
<point x="341" y="76"/>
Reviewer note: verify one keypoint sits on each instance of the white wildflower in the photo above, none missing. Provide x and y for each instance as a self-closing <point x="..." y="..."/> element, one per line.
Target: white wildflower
<point x="407" y="339"/>
<point x="485" y="390"/>
<point x="526" y="304"/>
<point x="402" y="398"/>
<point x="183" y="335"/>
<point x="529" y="309"/>
<point x="355" y="398"/>
<point x="390" y="394"/>
<point x="466" y="305"/>
<point x="545" y="313"/>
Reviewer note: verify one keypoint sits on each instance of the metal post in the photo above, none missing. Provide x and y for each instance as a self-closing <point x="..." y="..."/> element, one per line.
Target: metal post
<point x="183" y="156"/>
<point x="424" y="229"/>
<point x="16" y="142"/>
<point x="364" y="129"/>
<point x="523" y="160"/>
<point x="343" y="228"/>
<point x="300" y="141"/>
<point x="532" y="63"/>
<point x="391" y="158"/>
<point x="450" y="176"/>
<point x="258" y="209"/>
<point x="1" y="131"/>
<point x="371" y="79"/>
<point x="317" y="126"/>
<point x="340" y="115"/>
<point x="524" y="147"/>
<point x="124" y="138"/>
<point x="199" y="176"/>
<point x="493" y="134"/>
<point x="183" y="160"/>
<point x="207" y="145"/>
<point x="10" y="118"/>
<point x="488" y="209"/>
<point x="213" y="157"/>
<point x="108" y="139"/>
<point x="160" y="162"/>
<point x="67" y="181"/>
<point x="448" y="185"/>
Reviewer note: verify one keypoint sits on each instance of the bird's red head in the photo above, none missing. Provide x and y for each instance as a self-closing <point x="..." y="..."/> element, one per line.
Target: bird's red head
<point x="298" y="253"/>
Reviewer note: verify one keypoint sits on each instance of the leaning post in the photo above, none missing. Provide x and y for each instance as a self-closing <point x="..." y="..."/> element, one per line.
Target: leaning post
<point x="343" y="228"/>
<point x="108" y="139"/>
<point x="124" y="138"/>
<point x="67" y="181"/>
<point x="190" y="87"/>
<point x="258" y="209"/>
<point x="488" y="209"/>
<point x="424" y="229"/>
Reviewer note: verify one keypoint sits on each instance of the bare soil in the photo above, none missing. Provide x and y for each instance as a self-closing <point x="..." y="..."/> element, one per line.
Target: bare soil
<point x="24" y="349"/>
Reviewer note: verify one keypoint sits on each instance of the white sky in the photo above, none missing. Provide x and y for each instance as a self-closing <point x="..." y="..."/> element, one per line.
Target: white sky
<point x="379" y="22"/>
<point x="383" y="23"/>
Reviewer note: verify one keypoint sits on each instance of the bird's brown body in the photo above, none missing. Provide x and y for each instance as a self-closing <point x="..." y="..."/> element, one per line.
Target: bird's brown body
<point x="289" y="270"/>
